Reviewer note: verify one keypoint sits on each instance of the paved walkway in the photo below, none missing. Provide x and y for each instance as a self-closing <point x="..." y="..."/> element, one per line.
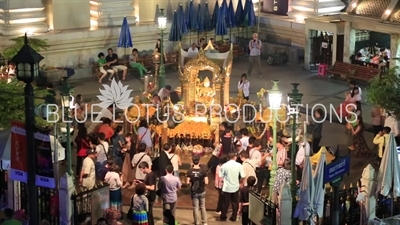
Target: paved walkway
<point x="183" y="216"/>
<point x="317" y="91"/>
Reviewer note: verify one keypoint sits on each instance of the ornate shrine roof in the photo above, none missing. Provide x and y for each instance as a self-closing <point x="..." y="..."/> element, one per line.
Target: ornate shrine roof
<point x="370" y="8"/>
<point x="395" y="16"/>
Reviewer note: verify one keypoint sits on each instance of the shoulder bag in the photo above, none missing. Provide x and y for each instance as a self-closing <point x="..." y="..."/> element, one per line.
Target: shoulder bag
<point x="141" y="138"/>
<point x="129" y="214"/>
<point x="140" y="160"/>
<point x="105" y="153"/>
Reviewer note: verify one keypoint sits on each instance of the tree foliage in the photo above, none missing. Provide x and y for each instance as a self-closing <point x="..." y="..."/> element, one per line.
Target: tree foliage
<point x="384" y="91"/>
<point x="12" y="105"/>
<point x="37" y="44"/>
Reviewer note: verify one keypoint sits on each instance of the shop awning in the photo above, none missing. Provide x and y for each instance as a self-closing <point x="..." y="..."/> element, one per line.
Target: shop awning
<point x="5" y="149"/>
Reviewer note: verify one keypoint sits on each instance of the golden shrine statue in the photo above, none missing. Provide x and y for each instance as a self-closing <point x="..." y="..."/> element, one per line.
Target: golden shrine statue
<point x="204" y="93"/>
<point x="210" y="91"/>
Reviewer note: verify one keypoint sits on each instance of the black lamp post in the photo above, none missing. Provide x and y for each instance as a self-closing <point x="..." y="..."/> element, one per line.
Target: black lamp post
<point x="294" y="99"/>
<point x="27" y="67"/>
<point x="66" y="99"/>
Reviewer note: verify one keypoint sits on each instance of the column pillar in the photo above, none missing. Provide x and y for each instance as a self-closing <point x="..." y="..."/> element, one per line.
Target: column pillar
<point x="334" y="48"/>
<point x="394" y="50"/>
<point x="19" y="17"/>
<point x="307" y="49"/>
<point x="106" y="13"/>
<point x="226" y="90"/>
<point x="349" y="42"/>
<point x="59" y="14"/>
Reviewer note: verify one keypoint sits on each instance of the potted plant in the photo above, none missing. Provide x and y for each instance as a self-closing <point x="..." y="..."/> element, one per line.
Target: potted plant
<point x="37" y="44"/>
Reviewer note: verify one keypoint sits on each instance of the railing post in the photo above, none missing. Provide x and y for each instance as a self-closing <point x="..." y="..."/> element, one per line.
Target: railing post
<point x="67" y="188"/>
<point x="285" y="206"/>
<point x="367" y="195"/>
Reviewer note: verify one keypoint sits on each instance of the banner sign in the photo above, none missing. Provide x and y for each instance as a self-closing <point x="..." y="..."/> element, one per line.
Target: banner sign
<point x="19" y="163"/>
<point x="44" y="160"/>
<point x="337" y="169"/>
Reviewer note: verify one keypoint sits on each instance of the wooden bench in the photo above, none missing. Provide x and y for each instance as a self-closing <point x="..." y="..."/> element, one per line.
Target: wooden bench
<point x="145" y="58"/>
<point x="364" y="73"/>
<point x="237" y="50"/>
<point x="342" y="69"/>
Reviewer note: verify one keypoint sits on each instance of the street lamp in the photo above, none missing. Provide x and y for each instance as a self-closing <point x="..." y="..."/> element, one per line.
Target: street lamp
<point x="294" y="99"/>
<point x="162" y="25"/>
<point x="27" y="66"/>
<point x="275" y="98"/>
<point x="66" y="100"/>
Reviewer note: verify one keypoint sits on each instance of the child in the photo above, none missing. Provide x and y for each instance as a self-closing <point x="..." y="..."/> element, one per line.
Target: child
<point x="104" y="67"/>
<point x="140" y="205"/>
<point x="244" y="200"/>
<point x="113" y="179"/>
<point x="106" y="169"/>
<point x="219" y="183"/>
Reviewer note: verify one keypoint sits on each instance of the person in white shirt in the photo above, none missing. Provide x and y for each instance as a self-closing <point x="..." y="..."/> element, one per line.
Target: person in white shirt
<point x="393" y="124"/>
<point x="365" y="51"/>
<point x="102" y="151"/>
<point x="138" y="158"/>
<point x="175" y="160"/>
<point x="304" y="150"/>
<point x="381" y="139"/>
<point x="193" y="49"/>
<point x="105" y="113"/>
<point x="254" y="153"/>
<point x="353" y="84"/>
<point x="244" y="86"/>
<point x="244" y="141"/>
<point x="87" y="178"/>
<point x="164" y="92"/>
<point x="113" y="179"/>
<point x="249" y="167"/>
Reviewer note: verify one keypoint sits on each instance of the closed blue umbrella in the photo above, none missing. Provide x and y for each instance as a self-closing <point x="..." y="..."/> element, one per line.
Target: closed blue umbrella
<point x="192" y="19"/>
<point x="239" y="14"/>
<point x="182" y="20"/>
<point x="215" y="15"/>
<point x="125" y="39"/>
<point x="221" y="28"/>
<point x="200" y="20"/>
<point x="245" y="16"/>
<point x="207" y="19"/>
<point x="224" y="6"/>
<point x="231" y="15"/>
<point x="251" y="15"/>
<point x="175" y="34"/>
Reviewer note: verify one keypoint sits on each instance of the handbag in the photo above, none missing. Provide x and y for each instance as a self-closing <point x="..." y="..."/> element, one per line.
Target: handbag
<point x="129" y="214"/>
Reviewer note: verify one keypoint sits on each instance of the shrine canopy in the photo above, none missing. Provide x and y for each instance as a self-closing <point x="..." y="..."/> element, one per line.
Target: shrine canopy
<point x="221" y="59"/>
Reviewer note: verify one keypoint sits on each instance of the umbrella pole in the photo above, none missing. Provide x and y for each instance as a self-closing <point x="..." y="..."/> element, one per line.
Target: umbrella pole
<point x="190" y="38"/>
<point x="230" y="34"/>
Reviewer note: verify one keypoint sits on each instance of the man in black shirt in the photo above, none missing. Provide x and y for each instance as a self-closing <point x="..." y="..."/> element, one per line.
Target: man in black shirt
<point x="197" y="179"/>
<point x="112" y="59"/>
<point x="175" y="96"/>
<point x="244" y="200"/>
<point x="150" y="181"/>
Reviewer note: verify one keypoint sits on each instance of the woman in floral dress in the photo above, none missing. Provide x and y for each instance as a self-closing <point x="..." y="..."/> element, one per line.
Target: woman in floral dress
<point x="283" y="175"/>
<point x="360" y="145"/>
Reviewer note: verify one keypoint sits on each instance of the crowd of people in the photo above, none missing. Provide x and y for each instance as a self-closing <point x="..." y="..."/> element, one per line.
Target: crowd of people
<point x="383" y="123"/>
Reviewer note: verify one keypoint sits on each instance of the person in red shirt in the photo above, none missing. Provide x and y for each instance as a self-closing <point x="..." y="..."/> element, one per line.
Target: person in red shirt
<point x="106" y="129"/>
<point x="83" y="143"/>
